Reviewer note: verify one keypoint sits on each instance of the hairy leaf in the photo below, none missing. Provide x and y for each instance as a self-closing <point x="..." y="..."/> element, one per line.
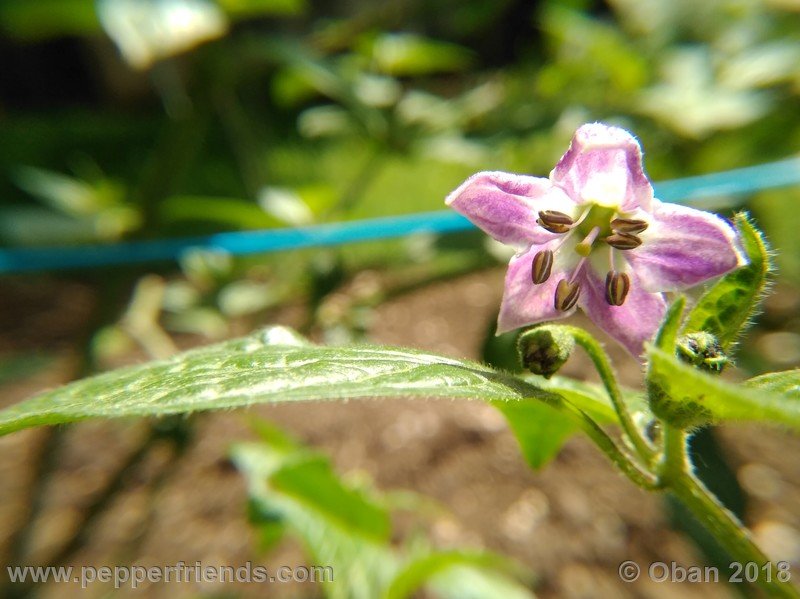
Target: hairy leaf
<point x="691" y="397"/>
<point x="726" y="308"/>
<point x="267" y="367"/>
<point x="786" y="383"/>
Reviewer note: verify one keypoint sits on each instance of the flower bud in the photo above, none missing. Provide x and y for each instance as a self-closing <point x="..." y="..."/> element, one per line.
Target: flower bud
<point x="544" y="349"/>
<point x="702" y="349"/>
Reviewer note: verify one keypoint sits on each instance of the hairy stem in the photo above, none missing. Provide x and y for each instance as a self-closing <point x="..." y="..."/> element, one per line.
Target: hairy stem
<point x="728" y="531"/>
<point x="603" y="367"/>
<point x="675" y="474"/>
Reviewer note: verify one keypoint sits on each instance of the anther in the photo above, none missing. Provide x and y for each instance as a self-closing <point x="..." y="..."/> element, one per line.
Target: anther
<point x="555" y="221"/>
<point x="623" y="241"/>
<point x="628" y="225"/>
<point x="617" y="286"/>
<point x="541" y="266"/>
<point x="566" y="295"/>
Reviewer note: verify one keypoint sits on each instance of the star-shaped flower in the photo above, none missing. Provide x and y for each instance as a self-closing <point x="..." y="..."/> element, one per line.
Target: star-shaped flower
<point x="593" y="236"/>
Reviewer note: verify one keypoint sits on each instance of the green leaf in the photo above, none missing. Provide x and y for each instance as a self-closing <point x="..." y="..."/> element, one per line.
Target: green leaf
<point x="726" y="308"/>
<point x="407" y="54"/>
<point x="222" y="212"/>
<point x="685" y="396"/>
<point x="447" y="571"/>
<point x="786" y="383"/>
<point x="257" y="8"/>
<point x="667" y="334"/>
<point x="312" y="481"/>
<point x="267" y="367"/>
<point x="362" y="565"/>
<point x="42" y="19"/>
<point x="540" y="430"/>
<point x="322" y="511"/>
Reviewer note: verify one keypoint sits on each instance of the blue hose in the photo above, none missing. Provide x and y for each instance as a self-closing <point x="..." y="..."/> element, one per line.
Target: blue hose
<point x="697" y="191"/>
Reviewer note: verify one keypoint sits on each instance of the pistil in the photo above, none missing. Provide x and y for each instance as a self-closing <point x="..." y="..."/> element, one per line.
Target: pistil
<point x="584" y="248"/>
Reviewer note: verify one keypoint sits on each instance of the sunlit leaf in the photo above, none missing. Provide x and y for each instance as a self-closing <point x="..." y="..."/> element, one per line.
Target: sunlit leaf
<point x="786" y="383"/>
<point x="362" y="565"/>
<point x="255" y="8"/>
<point x="457" y="574"/>
<point x="224" y="213"/>
<point x="262" y="368"/>
<point x="686" y="396"/>
<point x="726" y="308"/>
<point x="404" y="54"/>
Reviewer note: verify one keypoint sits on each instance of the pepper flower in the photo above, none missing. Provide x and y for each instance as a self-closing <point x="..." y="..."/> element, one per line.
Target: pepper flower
<point x="593" y="236"/>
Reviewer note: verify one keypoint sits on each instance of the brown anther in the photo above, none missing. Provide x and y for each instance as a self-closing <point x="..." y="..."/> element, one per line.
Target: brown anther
<point x="566" y="295"/>
<point x="623" y="241"/>
<point x="628" y="225"/>
<point x="617" y="286"/>
<point x="555" y="221"/>
<point x="541" y="266"/>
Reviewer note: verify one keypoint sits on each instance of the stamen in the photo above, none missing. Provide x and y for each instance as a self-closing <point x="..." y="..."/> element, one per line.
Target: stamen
<point x="555" y="221"/>
<point x="566" y="295"/>
<point x="628" y="225"/>
<point x="618" y="284"/>
<point x="584" y="248"/>
<point x="623" y="241"/>
<point x="541" y="266"/>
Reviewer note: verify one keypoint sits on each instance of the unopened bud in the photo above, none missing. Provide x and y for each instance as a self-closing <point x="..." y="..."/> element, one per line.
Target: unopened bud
<point x="541" y="266"/>
<point x="555" y="221"/>
<point x="617" y="286"/>
<point x="544" y="349"/>
<point x="628" y="225"/>
<point x="702" y="350"/>
<point x="623" y="241"/>
<point x="566" y="295"/>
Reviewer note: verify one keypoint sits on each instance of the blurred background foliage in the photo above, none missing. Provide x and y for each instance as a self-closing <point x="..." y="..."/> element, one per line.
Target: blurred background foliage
<point x="143" y="119"/>
<point x="130" y="119"/>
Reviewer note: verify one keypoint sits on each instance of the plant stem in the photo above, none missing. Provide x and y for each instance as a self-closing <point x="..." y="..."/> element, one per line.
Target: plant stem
<point x="733" y="537"/>
<point x="607" y="445"/>
<point x="603" y="367"/>
<point x="675" y="475"/>
<point x="675" y="460"/>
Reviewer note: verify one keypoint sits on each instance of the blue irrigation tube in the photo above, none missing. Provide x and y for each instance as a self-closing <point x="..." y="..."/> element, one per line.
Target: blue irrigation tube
<point x="695" y="191"/>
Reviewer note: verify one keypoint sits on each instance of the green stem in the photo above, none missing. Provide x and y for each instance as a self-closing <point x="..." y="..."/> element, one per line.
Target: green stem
<point x="676" y="476"/>
<point x="607" y="445"/>
<point x="603" y="367"/>
<point x="725" y="528"/>
<point x="674" y="461"/>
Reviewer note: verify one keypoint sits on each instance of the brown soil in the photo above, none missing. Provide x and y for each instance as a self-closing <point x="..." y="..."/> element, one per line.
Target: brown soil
<point x="571" y="523"/>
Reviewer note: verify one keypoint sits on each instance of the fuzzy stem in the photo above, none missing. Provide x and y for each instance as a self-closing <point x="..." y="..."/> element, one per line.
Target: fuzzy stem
<point x="603" y="367"/>
<point x="733" y="537"/>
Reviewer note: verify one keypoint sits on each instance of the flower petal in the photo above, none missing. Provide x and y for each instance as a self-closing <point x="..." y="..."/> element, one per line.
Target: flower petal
<point x="631" y="324"/>
<point x="525" y="303"/>
<point x="506" y="206"/>
<point x="683" y="247"/>
<point x="604" y="165"/>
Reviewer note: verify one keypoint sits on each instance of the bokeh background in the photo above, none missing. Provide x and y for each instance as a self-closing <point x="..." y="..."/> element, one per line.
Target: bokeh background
<point x="148" y="119"/>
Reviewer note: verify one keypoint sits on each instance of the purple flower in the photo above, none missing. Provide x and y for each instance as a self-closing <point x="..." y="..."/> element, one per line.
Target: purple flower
<point x="593" y="236"/>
